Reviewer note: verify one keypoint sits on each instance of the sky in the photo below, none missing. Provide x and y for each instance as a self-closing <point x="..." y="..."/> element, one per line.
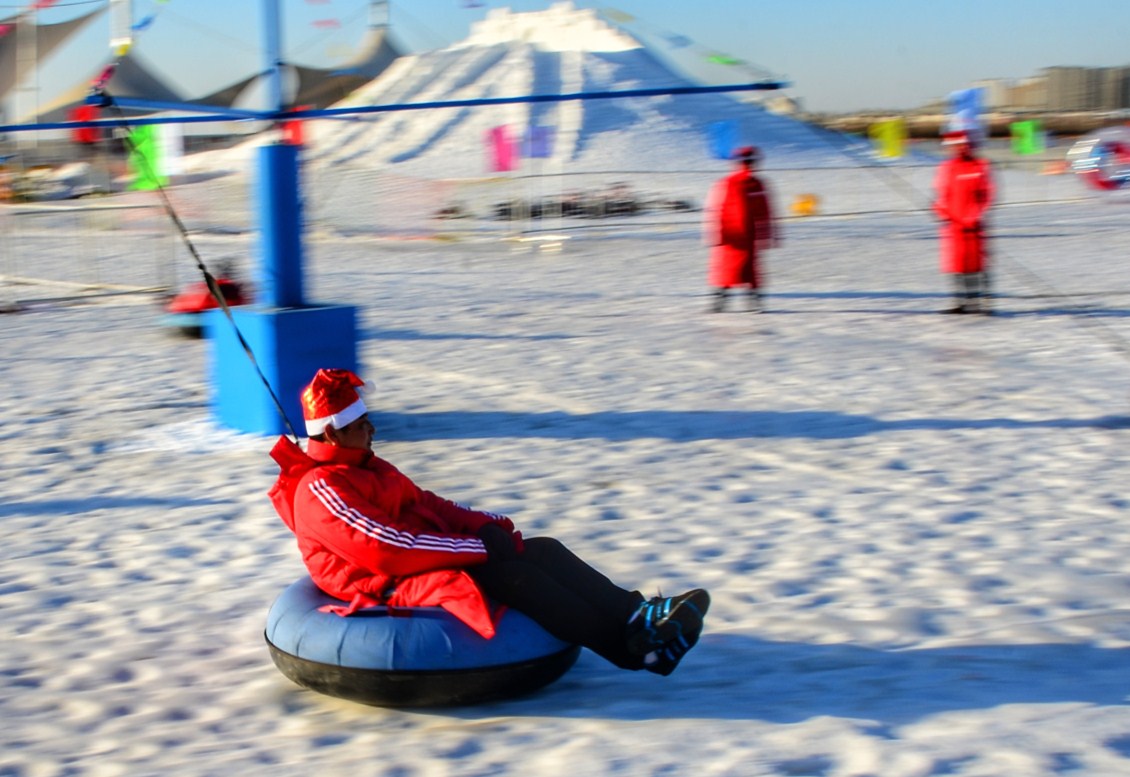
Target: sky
<point x="837" y="56"/>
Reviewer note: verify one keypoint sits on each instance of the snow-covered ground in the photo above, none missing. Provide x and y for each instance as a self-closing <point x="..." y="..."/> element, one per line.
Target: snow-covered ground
<point x="912" y="525"/>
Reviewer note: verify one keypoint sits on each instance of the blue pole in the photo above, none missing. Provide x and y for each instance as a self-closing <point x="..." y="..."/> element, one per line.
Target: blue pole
<point x="280" y="279"/>
<point x="272" y="45"/>
<point x="280" y="205"/>
<point x="292" y="339"/>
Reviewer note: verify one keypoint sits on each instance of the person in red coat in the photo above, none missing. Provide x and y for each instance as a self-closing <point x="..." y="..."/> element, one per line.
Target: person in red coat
<point x="739" y="225"/>
<point x="964" y="187"/>
<point x="369" y="535"/>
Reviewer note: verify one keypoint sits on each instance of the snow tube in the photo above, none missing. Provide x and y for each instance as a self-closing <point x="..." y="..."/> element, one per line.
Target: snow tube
<point x="416" y="657"/>
<point x="186" y="310"/>
<point x="1102" y="159"/>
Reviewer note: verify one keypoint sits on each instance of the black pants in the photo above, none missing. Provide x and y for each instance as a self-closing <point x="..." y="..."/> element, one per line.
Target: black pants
<point x="971" y="288"/>
<point x="565" y="596"/>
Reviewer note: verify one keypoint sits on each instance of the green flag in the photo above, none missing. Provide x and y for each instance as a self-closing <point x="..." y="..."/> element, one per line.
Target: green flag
<point x="1027" y="137"/>
<point x="145" y="159"/>
<point x="724" y="59"/>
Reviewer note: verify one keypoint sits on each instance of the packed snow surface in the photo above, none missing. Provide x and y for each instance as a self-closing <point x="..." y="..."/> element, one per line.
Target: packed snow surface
<point x="913" y="525"/>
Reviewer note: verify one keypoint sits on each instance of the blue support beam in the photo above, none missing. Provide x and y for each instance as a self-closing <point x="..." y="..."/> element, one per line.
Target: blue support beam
<point x="212" y="113"/>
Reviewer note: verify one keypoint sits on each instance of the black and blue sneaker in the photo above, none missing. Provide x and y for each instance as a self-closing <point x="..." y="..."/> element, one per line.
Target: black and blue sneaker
<point x="664" y="660"/>
<point x="665" y="621"/>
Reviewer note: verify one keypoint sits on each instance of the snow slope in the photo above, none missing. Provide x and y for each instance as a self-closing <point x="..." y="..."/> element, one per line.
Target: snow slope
<point x="562" y="50"/>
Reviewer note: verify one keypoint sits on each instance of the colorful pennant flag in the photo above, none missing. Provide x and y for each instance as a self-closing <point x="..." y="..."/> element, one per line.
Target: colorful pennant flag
<point x="889" y="137"/>
<point x="5" y="29"/>
<point x="619" y="16"/>
<point x="724" y="59"/>
<point x="722" y="138"/>
<point x="679" y="41"/>
<point x="1027" y="137"/>
<point x="144" y="159"/>
<point x="85" y="135"/>
<point x="965" y="111"/>
<point x="500" y="150"/>
<point x="538" y="142"/>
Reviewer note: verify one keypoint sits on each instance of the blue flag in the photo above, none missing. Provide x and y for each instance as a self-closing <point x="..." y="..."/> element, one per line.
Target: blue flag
<point x="538" y="142"/>
<point x="723" y="139"/>
<point x="965" y="111"/>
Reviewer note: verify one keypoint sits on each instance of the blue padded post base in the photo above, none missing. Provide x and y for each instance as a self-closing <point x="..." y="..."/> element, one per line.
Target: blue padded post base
<point x="290" y="345"/>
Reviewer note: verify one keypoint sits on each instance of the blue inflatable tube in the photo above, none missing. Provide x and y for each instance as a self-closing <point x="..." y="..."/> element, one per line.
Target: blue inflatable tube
<point x="420" y="657"/>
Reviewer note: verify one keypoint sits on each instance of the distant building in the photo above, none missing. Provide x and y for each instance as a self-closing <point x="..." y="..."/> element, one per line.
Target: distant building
<point x="1073" y="88"/>
<point x="1030" y="94"/>
<point x="1060" y="89"/>
<point x="996" y="93"/>
<point x="1114" y="89"/>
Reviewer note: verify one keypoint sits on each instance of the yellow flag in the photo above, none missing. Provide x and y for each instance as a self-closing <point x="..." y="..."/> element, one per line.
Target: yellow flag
<point x="889" y="137"/>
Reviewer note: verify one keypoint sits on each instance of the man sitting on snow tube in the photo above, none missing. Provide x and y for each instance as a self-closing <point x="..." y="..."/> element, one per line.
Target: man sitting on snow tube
<point x="369" y="535"/>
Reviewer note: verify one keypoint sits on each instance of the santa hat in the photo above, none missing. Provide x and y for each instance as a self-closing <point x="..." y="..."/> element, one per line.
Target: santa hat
<point x="332" y="399"/>
<point x="957" y="138"/>
<point x="747" y="154"/>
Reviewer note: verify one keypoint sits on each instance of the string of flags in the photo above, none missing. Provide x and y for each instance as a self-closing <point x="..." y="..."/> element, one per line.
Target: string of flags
<point x="36" y="6"/>
<point x="329" y="25"/>
<point x="123" y="48"/>
<point x="505" y="151"/>
<point x="678" y="41"/>
<point x="889" y="137"/>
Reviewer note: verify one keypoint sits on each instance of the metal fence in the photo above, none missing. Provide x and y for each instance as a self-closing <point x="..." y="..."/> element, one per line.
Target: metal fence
<point x="55" y="251"/>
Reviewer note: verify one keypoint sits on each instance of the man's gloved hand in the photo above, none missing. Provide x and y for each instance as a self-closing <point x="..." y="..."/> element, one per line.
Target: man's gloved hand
<point x="500" y="545"/>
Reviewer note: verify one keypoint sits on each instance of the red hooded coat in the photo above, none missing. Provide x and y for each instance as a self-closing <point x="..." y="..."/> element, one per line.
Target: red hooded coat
<point x="739" y="222"/>
<point x="965" y="191"/>
<point x="369" y="535"/>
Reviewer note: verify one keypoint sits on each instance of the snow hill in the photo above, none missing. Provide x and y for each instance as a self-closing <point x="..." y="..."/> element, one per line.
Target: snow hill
<point x="557" y="51"/>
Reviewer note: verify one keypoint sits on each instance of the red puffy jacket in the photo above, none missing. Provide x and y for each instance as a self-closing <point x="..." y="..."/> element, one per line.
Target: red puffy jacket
<point x="739" y="223"/>
<point x="369" y="535"/>
<point x="965" y="191"/>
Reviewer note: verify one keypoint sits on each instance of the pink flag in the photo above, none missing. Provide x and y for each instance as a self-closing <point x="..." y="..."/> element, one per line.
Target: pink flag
<point x="500" y="149"/>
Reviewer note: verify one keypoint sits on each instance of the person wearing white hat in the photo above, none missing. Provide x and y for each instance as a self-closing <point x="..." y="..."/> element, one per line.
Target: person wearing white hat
<point x="964" y="187"/>
<point x="369" y="535"/>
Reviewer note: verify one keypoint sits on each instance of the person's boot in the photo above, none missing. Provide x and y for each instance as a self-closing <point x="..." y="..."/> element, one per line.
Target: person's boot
<point x="754" y="299"/>
<point x="958" y="307"/>
<point x="664" y="660"/>
<point x="719" y="302"/>
<point x="661" y="621"/>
